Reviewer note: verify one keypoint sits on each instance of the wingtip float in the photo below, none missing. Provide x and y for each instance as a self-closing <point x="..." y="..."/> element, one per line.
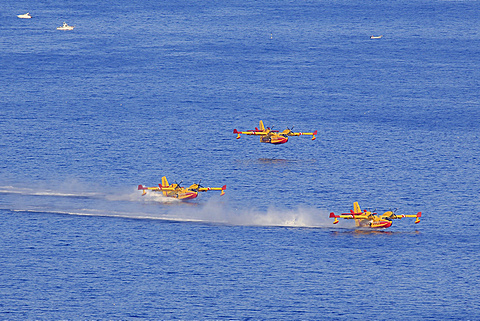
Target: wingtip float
<point x="372" y="220"/>
<point x="268" y="135"/>
<point x="179" y="192"/>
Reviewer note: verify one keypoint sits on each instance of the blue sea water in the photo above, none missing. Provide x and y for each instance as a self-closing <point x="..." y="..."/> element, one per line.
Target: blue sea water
<point x="143" y="89"/>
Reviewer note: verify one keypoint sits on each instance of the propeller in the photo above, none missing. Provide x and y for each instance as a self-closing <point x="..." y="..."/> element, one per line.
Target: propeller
<point x="178" y="185"/>
<point x="391" y="216"/>
<point x="287" y="132"/>
<point x="393" y="210"/>
<point x="198" y="186"/>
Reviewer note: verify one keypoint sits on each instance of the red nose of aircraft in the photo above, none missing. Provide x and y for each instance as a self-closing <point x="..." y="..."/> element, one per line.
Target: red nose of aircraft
<point x="381" y="224"/>
<point x="279" y="140"/>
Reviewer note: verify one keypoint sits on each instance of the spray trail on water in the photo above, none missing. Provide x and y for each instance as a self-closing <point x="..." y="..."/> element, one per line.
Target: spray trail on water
<point x="129" y="203"/>
<point x="218" y="211"/>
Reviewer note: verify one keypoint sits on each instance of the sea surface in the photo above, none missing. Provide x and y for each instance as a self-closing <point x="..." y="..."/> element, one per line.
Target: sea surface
<point x="145" y="89"/>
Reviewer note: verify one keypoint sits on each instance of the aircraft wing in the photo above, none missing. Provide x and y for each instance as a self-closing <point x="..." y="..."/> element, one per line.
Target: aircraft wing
<point x="290" y="133"/>
<point x="393" y="216"/>
<point x="349" y="216"/>
<point x="145" y="189"/>
<point x="356" y="216"/>
<point x="205" y="189"/>
<point x="250" y="132"/>
<point x="172" y="187"/>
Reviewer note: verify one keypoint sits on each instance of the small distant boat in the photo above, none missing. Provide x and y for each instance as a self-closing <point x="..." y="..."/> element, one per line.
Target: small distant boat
<point x="25" y="16"/>
<point x="65" y="26"/>
<point x="376" y="37"/>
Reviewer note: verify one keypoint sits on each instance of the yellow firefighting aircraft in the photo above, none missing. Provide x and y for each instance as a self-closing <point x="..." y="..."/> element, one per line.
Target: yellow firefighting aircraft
<point x="267" y="135"/>
<point x="182" y="193"/>
<point x="372" y="220"/>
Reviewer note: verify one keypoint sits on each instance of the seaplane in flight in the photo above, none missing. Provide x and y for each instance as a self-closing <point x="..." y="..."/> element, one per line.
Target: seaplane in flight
<point x="182" y="193"/>
<point x="267" y="135"/>
<point x="372" y="220"/>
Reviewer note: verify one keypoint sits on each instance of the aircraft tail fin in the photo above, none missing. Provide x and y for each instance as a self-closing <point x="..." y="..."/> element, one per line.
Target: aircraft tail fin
<point x="260" y="126"/>
<point x="356" y="208"/>
<point x="164" y="182"/>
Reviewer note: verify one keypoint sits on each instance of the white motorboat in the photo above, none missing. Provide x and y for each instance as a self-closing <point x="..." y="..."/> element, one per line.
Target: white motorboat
<point x="376" y="37"/>
<point x="65" y="26"/>
<point x="25" y="16"/>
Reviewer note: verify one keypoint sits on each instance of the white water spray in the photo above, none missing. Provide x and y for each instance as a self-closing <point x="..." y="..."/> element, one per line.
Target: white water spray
<point x="130" y="203"/>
